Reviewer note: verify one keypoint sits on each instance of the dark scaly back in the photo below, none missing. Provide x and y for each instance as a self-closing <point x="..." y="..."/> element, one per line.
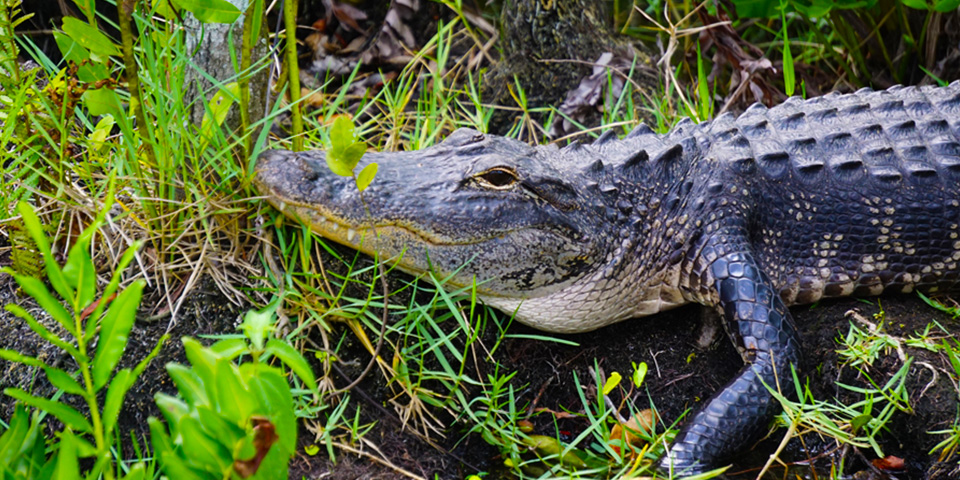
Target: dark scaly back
<point x="853" y="194"/>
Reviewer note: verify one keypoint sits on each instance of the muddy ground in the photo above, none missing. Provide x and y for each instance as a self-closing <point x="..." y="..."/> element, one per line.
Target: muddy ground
<point x="682" y="375"/>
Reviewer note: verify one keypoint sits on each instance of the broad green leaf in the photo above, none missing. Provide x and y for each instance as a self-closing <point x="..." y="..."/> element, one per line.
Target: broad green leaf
<point x="116" y="392"/>
<point x="366" y="176"/>
<point x="68" y="465"/>
<point x="292" y="359"/>
<point x="101" y="131"/>
<point x="273" y="393"/>
<point x="218" y="426"/>
<point x="257" y="325"/>
<point x="115" y="279"/>
<point x="203" y="361"/>
<point x="232" y="395"/>
<point x="173" y="410"/>
<point x="639" y="373"/>
<point x="163" y="450"/>
<point x="188" y="384"/>
<point x="52" y="306"/>
<point x="88" y="72"/>
<point x="64" y="381"/>
<point x="69" y="416"/>
<point x="102" y="101"/>
<point x="90" y="37"/>
<point x="80" y="274"/>
<point x="201" y="450"/>
<point x="860" y="420"/>
<point x="217" y="109"/>
<point x="944" y="6"/>
<point x="230" y="348"/>
<point x="353" y="153"/>
<point x="32" y="223"/>
<point x="45" y="334"/>
<point x="611" y="383"/>
<point x="114" y="332"/>
<point x="342" y="133"/>
<point x="13" y="442"/>
<point x="210" y="11"/>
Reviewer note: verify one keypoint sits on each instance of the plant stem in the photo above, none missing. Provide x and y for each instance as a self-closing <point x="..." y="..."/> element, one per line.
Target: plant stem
<point x="293" y="71"/>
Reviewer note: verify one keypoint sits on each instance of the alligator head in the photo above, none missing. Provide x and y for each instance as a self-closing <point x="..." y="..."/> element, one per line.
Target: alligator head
<point x="475" y="208"/>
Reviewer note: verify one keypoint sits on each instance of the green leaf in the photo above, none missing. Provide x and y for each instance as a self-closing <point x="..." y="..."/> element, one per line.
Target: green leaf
<point x="230" y="348"/>
<point x="15" y="442"/>
<point x="116" y="392"/>
<point x="789" y="78"/>
<point x="114" y="332"/>
<point x="210" y="11"/>
<point x="163" y="450"/>
<point x="344" y="152"/>
<point x="68" y="465"/>
<point x="64" y="381"/>
<point x="69" y="416"/>
<point x="257" y="325"/>
<point x="342" y="133"/>
<point x="52" y="306"/>
<point x="756" y="8"/>
<point x="15" y="356"/>
<point x="102" y="101"/>
<point x="137" y="472"/>
<point x="45" y="334"/>
<point x="80" y="273"/>
<point x="217" y="109"/>
<point x="87" y="7"/>
<point x="32" y="223"/>
<point x="233" y="398"/>
<point x="218" y="426"/>
<point x="90" y="37"/>
<point x="173" y="409"/>
<point x="639" y="373"/>
<point x="944" y="6"/>
<point x="366" y="176"/>
<point x="115" y="279"/>
<point x="292" y="359"/>
<point x="860" y="420"/>
<point x="611" y="383"/>
<point x="88" y="72"/>
<point x="203" y="361"/>
<point x="188" y="384"/>
<point x="201" y="450"/>
<point x="273" y="393"/>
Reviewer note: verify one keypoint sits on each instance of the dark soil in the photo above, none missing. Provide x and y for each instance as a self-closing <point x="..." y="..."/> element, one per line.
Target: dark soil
<point x="681" y="376"/>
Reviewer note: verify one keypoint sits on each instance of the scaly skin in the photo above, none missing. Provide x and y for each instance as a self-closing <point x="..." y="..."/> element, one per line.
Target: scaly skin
<point x="840" y="195"/>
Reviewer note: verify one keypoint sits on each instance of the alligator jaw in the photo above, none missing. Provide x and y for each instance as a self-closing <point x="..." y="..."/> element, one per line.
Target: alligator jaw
<point x="428" y="214"/>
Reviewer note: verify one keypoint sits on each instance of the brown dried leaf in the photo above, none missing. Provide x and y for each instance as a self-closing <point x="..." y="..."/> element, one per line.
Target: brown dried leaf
<point x="265" y="435"/>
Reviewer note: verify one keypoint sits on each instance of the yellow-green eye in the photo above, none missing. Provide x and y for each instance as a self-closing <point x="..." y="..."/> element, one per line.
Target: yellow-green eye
<point x="499" y="178"/>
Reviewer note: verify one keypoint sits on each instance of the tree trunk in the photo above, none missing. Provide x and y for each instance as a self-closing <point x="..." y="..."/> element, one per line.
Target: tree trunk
<point x="550" y="48"/>
<point x="212" y="44"/>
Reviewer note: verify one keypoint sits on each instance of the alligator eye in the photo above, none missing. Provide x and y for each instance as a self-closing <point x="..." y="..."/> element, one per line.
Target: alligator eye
<point x="497" y="178"/>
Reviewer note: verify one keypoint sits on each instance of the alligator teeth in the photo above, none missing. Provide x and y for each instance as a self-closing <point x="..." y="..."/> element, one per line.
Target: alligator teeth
<point x="282" y="206"/>
<point x="350" y="234"/>
<point x="333" y="226"/>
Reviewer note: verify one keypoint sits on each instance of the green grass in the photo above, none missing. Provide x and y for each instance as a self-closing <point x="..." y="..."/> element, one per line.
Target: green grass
<point x="185" y="192"/>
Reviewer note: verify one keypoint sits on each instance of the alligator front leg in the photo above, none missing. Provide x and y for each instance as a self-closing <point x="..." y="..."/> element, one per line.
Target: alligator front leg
<point x="760" y="324"/>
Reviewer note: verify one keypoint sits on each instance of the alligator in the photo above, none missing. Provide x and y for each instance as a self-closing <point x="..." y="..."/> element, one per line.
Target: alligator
<point x="844" y="194"/>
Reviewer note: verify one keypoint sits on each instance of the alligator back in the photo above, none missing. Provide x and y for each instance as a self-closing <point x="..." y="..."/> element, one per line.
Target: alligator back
<point x="847" y="194"/>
